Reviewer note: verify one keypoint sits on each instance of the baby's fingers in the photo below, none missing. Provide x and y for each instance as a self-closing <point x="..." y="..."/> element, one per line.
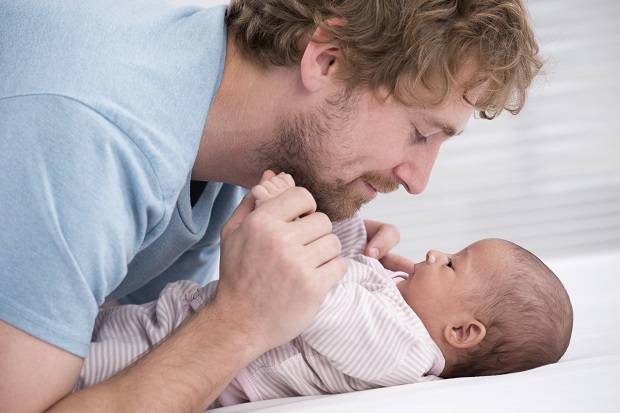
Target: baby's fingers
<point x="382" y="238"/>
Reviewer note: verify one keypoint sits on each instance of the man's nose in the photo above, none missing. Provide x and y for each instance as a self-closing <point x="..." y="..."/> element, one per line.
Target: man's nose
<point x="414" y="173"/>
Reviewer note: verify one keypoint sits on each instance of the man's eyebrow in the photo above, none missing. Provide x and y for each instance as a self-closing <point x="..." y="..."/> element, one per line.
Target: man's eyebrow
<point x="446" y="128"/>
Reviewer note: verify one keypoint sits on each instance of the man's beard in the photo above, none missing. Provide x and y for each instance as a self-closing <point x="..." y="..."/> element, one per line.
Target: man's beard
<point x="298" y="150"/>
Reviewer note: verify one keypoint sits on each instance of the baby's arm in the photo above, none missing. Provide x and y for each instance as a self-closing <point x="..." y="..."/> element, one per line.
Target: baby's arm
<point x="269" y="188"/>
<point x="352" y="235"/>
<point x="382" y="238"/>
<point x="380" y="233"/>
<point x="125" y="332"/>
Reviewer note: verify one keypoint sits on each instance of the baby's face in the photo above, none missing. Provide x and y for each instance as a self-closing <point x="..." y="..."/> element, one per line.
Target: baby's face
<point x="439" y="285"/>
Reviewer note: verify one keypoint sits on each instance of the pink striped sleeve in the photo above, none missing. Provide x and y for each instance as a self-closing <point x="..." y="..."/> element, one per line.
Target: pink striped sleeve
<point x="124" y="333"/>
<point x="352" y="235"/>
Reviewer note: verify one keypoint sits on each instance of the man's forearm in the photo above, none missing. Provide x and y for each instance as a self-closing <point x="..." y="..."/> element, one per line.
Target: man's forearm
<point x="184" y="373"/>
<point x="275" y="271"/>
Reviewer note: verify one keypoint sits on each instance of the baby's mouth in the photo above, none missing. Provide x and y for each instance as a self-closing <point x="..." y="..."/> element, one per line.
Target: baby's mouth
<point x="415" y="267"/>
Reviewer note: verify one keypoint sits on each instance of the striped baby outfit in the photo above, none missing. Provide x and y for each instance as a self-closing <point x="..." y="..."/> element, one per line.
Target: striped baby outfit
<point x="364" y="336"/>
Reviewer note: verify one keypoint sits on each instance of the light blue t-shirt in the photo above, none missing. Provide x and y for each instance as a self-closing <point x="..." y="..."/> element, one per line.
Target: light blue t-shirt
<point x="102" y="107"/>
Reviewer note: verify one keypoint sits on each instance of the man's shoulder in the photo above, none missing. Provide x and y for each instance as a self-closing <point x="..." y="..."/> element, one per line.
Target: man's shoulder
<point x="110" y="47"/>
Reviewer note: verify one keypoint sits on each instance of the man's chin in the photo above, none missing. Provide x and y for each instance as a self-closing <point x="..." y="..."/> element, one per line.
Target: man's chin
<point x="341" y="210"/>
<point x="343" y="200"/>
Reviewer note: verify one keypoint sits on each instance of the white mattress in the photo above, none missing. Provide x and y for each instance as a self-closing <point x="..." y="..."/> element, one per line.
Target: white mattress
<point x="587" y="379"/>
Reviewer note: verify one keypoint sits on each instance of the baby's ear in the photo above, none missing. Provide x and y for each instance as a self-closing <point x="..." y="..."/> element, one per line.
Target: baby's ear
<point x="466" y="334"/>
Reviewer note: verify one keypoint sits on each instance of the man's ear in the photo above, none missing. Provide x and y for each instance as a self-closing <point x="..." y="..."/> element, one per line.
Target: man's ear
<point x="465" y="335"/>
<point x="321" y="58"/>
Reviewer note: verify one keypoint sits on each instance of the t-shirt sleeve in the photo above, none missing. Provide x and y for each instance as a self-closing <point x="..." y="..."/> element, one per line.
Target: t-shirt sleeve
<point x="68" y="227"/>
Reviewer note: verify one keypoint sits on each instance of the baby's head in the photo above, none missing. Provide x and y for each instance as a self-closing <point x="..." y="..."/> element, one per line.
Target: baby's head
<point x="492" y="308"/>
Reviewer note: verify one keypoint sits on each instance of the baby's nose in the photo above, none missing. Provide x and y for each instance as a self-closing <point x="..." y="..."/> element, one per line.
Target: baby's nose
<point x="434" y="256"/>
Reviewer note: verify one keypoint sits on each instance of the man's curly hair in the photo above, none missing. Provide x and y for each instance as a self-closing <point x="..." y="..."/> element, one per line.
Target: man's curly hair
<point x="399" y="44"/>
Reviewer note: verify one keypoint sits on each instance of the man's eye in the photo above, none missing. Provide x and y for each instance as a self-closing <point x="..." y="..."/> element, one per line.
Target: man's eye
<point x="449" y="264"/>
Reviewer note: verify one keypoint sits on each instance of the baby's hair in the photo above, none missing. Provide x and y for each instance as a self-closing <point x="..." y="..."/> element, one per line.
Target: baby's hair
<point x="527" y="314"/>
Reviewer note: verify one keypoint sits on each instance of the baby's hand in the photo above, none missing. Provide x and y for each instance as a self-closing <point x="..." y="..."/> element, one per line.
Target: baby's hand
<point x="269" y="188"/>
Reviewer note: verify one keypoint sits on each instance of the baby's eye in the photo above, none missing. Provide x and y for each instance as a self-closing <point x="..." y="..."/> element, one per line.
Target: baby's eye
<point x="449" y="264"/>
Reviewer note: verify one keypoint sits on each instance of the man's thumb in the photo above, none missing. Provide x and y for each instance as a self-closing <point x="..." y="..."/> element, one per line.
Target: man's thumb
<point x="246" y="206"/>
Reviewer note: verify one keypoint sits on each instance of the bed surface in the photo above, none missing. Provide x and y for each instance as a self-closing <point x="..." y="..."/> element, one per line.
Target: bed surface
<point x="586" y="379"/>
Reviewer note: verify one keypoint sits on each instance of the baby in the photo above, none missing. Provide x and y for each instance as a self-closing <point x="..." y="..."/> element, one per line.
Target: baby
<point x="489" y="309"/>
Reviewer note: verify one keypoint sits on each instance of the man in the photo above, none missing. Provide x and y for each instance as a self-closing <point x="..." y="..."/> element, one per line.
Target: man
<point x="128" y="130"/>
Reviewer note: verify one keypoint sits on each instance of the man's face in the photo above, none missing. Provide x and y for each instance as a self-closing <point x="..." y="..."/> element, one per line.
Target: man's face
<point x="353" y="147"/>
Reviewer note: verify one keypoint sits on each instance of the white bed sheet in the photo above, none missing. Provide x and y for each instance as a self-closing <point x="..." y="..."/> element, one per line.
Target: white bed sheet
<point x="587" y="379"/>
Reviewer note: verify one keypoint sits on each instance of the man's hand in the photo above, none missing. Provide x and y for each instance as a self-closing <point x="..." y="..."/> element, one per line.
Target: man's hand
<point x="382" y="238"/>
<point x="275" y="269"/>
